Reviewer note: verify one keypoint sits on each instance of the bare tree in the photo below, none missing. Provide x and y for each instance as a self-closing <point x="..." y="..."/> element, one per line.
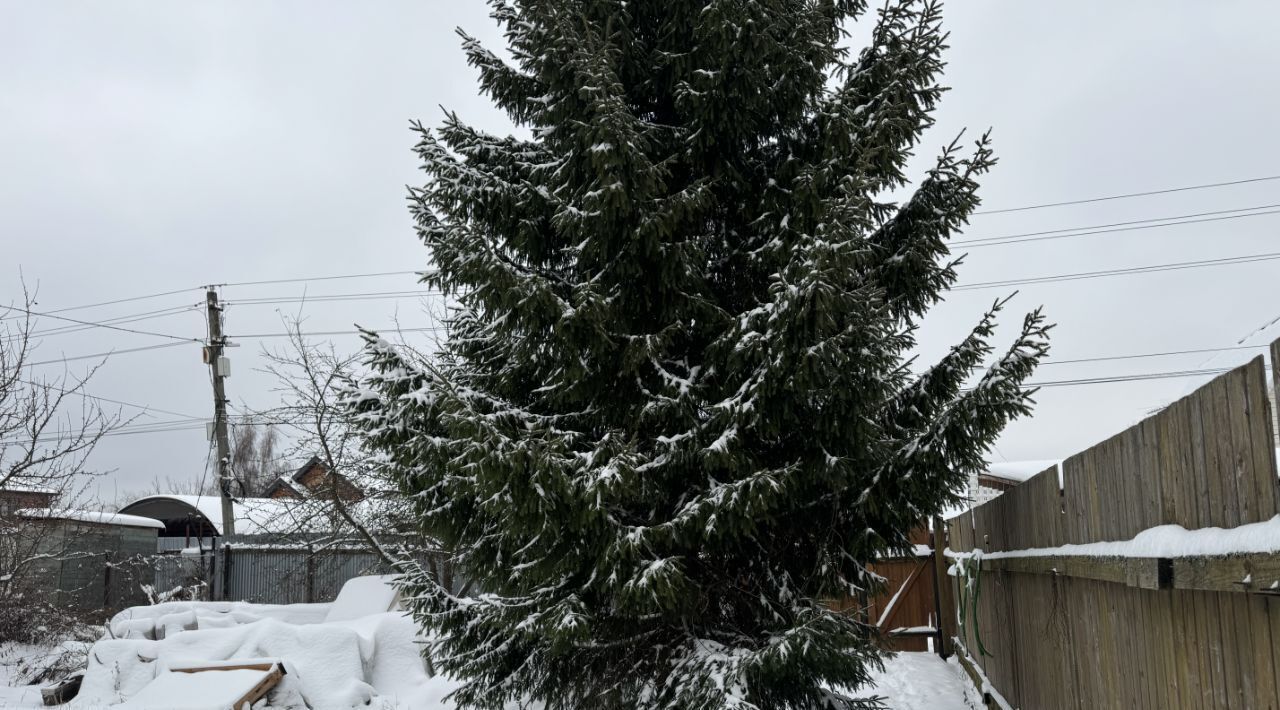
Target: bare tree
<point x="312" y="380"/>
<point x="255" y="459"/>
<point x="49" y="427"/>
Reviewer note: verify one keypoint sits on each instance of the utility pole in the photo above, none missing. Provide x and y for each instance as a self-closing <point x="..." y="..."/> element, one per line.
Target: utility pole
<point x="220" y="367"/>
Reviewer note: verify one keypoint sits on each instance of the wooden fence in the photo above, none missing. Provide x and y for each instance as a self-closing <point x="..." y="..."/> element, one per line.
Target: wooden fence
<point x="1051" y="629"/>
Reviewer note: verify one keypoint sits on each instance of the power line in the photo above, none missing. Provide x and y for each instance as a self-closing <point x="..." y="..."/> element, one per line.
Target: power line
<point x="161" y="294"/>
<point x="107" y="354"/>
<point x="1129" y="195"/>
<point x="1139" y="356"/>
<point x="208" y="456"/>
<point x="85" y="395"/>
<point x="256" y="336"/>
<point x="160" y="427"/>
<point x="105" y="325"/>
<point x="180" y="426"/>
<point x="1114" y="227"/>
<point x="148" y="315"/>
<point x="370" y="296"/>
<point x="1130" y="378"/>
<point x="194" y="426"/>
<point x="1226" y="261"/>
<point x="326" y="278"/>
<point x="146" y="428"/>
<point x="114" y="302"/>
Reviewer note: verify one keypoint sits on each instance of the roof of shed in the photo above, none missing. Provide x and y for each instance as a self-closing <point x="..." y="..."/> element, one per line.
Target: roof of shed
<point x="252" y="515"/>
<point x="91" y="516"/>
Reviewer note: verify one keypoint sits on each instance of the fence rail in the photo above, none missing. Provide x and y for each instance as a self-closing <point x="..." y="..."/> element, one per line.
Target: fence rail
<point x="1049" y="629"/>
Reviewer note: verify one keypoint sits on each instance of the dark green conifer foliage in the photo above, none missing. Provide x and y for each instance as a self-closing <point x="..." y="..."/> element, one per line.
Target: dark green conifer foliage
<point x="675" y="409"/>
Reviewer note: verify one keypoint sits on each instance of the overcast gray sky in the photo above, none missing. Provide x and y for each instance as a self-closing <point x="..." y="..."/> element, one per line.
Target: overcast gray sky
<point x="154" y="146"/>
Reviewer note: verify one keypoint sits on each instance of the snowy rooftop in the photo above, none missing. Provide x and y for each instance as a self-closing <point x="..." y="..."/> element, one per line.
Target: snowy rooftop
<point x="1020" y="471"/>
<point x="16" y="487"/>
<point x="91" y="516"/>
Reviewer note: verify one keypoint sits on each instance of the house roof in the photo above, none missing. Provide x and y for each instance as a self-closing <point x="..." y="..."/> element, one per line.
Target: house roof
<point x="286" y="482"/>
<point x="253" y="516"/>
<point x="293" y="481"/>
<point x="289" y="480"/>
<point x="91" y="516"/>
<point x="302" y="470"/>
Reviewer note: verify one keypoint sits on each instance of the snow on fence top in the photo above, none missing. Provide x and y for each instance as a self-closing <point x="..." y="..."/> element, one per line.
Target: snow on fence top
<point x="1162" y="541"/>
<point x="91" y="516"/>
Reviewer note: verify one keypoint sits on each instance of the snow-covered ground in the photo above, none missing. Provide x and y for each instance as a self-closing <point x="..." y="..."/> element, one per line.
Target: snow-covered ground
<point x="354" y="653"/>
<point x="15" y="658"/>
<point x="923" y="681"/>
<point x="910" y="681"/>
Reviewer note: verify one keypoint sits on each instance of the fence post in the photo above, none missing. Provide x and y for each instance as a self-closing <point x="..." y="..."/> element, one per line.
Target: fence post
<point x="311" y="574"/>
<point x="209" y="567"/>
<point x="226" y="571"/>
<point x="943" y="601"/>
<point x="106" y="580"/>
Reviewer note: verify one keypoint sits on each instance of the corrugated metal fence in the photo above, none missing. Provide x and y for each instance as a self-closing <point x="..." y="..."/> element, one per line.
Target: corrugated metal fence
<point x="271" y="570"/>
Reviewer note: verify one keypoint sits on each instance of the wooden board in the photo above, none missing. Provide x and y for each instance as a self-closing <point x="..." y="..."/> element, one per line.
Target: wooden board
<point x="1142" y="572"/>
<point x="236" y="685"/>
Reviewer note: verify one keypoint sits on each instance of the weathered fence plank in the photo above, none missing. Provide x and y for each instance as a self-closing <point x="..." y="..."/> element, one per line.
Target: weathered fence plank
<point x="1262" y="652"/>
<point x="1222" y="467"/>
<point x="1241" y="456"/>
<point x="1261" y="441"/>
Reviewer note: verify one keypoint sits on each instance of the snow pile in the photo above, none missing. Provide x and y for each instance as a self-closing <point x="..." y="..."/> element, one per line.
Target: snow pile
<point x="364" y="595"/>
<point x="369" y="661"/>
<point x="162" y="620"/>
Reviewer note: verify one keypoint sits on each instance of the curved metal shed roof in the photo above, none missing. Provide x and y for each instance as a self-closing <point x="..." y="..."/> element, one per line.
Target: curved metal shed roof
<point x="253" y="516"/>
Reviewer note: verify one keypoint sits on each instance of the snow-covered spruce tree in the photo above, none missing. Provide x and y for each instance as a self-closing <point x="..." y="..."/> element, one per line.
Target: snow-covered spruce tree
<point x="676" y="409"/>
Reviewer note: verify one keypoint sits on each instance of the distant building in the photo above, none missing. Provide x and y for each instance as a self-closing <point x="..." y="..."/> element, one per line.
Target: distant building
<point x="15" y="497"/>
<point x="298" y="504"/>
<point x="313" y="480"/>
<point x="1000" y="477"/>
